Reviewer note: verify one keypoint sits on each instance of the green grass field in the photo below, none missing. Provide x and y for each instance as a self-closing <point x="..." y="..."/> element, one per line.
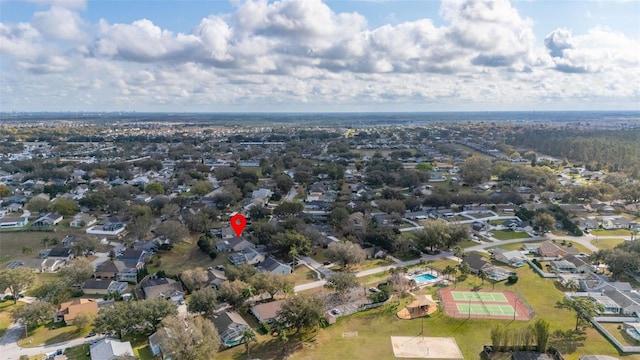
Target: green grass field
<point x="616" y="232"/>
<point x="508" y="234"/>
<point x="605" y="244"/>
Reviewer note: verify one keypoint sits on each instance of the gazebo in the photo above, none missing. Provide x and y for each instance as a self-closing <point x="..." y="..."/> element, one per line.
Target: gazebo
<point x="423" y="305"/>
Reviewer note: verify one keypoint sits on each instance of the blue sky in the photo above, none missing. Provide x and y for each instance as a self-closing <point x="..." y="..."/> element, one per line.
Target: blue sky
<point x="310" y="55"/>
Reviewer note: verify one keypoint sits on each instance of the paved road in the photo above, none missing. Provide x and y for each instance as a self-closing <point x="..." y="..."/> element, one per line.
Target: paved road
<point x="292" y="194"/>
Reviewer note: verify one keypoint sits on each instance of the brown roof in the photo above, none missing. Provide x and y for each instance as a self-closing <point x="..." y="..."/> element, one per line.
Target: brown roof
<point x="268" y="310"/>
<point x="72" y="308"/>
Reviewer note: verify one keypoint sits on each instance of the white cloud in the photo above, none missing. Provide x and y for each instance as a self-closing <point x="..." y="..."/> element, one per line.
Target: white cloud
<point x="302" y="52"/>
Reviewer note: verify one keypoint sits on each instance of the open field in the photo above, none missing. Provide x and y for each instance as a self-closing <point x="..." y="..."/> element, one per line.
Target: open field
<point x="12" y="243"/>
<point x="508" y="234"/>
<point x="78" y="352"/>
<point x="184" y="256"/>
<point x="52" y="333"/>
<point x="616" y="232"/>
<point x="604" y="244"/>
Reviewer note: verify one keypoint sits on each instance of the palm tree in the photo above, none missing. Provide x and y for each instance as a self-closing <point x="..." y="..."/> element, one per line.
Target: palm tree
<point x="447" y="271"/>
<point x="571" y="285"/>
<point x="459" y="253"/>
<point x="248" y="336"/>
<point x="45" y="241"/>
<point x="249" y="291"/>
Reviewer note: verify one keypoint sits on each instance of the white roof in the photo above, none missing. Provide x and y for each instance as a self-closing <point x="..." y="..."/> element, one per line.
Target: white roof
<point x="107" y="349"/>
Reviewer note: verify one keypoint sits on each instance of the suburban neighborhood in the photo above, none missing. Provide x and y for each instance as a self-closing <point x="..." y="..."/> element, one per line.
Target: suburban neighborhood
<point x="116" y="241"/>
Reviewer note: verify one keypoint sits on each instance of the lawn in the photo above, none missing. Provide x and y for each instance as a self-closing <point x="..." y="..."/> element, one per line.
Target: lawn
<point x="604" y="244"/>
<point x="52" y="333"/>
<point x="12" y="243"/>
<point x="302" y="275"/>
<point x="374" y="328"/>
<point x="184" y="256"/>
<point x="615" y="232"/>
<point x="78" y="352"/>
<point x="508" y="234"/>
<point x="6" y="307"/>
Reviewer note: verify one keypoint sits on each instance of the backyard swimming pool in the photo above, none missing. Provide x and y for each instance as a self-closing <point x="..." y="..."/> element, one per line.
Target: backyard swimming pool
<point x="423" y="278"/>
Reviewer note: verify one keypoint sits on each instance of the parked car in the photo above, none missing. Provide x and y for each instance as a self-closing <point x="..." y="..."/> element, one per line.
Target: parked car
<point x="336" y="311"/>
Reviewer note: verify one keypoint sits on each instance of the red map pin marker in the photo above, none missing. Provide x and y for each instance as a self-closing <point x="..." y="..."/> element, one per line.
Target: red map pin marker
<point x="238" y="222"/>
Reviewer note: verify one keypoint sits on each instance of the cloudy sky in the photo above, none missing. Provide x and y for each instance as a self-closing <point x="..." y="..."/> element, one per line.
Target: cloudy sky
<point x="310" y="55"/>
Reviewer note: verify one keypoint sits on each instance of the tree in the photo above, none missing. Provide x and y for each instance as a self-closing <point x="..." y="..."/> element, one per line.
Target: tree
<point x="435" y="234"/>
<point x="154" y="189"/>
<point x="83" y="244"/>
<point x="457" y="233"/>
<point x="31" y="315"/>
<point x="339" y="218"/>
<point x="16" y="280"/>
<point x="55" y="292"/>
<point x="38" y="204"/>
<point x="392" y="206"/>
<point x="302" y="311"/>
<point x="271" y="283"/>
<point x="341" y="282"/>
<point x="544" y="221"/>
<point x="583" y="306"/>
<point x="195" y="279"/>
<point x="233" y="292"/>
<point x="140" y="222"/>
<point x="203" y="301"/>
<point x="243" y="272"/>
<point x="346" y="253"/>
<point x="541" y="331"/>
<point x="155" y="310"/>
<point x="259" y="212"/>
<point x="192" y="338"/>
<point x="288" y="208"/>
<point x="83" y="320"/>
<point x="172" y="230"/>
<point x="284" y="183"/>
<point x="202" y="188"/>
<point x="572" y="285"/>
<point x="5" y="191"/>
<point x="292" y="242"/>
<point x="475" y="170"/>
<point x="118" y="319"/>
<point x="64" y="206"/>
<point x="248" y="336"/>
<point x="78" y="270"/>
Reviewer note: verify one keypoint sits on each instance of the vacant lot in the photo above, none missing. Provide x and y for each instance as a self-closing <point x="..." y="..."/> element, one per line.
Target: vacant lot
<point x="184" y="256"/>
<point x="604" y="244"/>
<point x="13" y="243"/>
<point x="508" y="234"/>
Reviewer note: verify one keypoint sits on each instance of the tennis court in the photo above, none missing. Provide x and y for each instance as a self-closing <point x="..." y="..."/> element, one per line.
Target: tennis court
<point x="485" y="309"/>
<point x="478" y="296"/>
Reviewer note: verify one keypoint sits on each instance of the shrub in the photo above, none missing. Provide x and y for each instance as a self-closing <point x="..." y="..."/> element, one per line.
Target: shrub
<point x="512" y="279"/>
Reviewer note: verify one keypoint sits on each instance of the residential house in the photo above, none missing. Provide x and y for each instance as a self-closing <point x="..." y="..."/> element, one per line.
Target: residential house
<point x="216" y="278"/>
<point x="82" y="219"/>
<point x="51" y="265"/>
<point x="49" y="219"/>
<point x="247" y="256"/>
<point x="165" y="288"/>
<point x="103" y="287"/>
<point x="513" y="258"/>
<point x="68" y="311"/>
<point x="476" y="261"/>
<point x="13" y="222"/>
<point x="550" y="249"/>
<point x="134" y="258"/>
<point x="274" y="266"/>
<point x="632" y="329"/>
<point x="267" y="312"/>
<point x="235" y="244"/>
<point x="581" y="265"/>
<point x="357" y="220"/>
<point x="117" y="270"/>
<point x="230" y="326"/>
<point x="110" y="349"/>
<point x="154" y="346"/>
<point x="563" y="266"/>
<point x="61" y="253"/>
